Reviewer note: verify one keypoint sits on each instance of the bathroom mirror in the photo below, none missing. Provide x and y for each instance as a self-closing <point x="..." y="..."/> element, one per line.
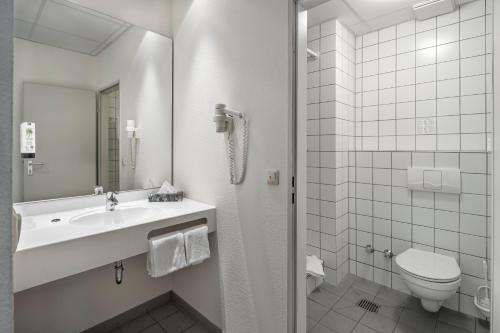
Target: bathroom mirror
<point x="92" y="103"/>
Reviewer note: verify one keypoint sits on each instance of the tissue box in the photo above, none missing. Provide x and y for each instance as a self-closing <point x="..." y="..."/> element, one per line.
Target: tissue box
<point x="165" y="197"/>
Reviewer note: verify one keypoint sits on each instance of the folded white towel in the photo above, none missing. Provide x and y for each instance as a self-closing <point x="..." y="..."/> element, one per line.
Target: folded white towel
<point x="315" y="266"/>
<point x="166" y="254"/>
<point x="197" y="247"/>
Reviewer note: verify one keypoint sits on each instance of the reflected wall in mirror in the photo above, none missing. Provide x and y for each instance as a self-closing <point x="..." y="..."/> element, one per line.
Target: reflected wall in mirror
<point x="82" y="77"/>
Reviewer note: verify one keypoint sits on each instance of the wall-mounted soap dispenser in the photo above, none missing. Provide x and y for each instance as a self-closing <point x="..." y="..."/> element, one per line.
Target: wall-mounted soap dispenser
<point x="28" y="140"/>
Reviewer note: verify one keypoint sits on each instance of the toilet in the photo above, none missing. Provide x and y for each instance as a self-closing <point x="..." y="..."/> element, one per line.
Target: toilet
<point x="432" y="277"/>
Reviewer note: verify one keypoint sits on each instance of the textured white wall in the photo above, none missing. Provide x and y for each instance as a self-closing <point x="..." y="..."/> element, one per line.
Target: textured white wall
<point x="40" y="63"/>
<point x="6" y="49"/>
<point x="236" y="52"/>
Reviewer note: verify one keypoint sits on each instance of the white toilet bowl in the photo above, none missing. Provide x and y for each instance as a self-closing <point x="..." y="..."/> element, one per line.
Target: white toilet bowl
<point x="432" y="277"/>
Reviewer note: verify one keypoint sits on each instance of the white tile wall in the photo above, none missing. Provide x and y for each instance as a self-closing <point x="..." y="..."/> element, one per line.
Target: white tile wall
<point x="438" y="72"/>
<point x="415" y="94"/>
<point x="330" y="130"/>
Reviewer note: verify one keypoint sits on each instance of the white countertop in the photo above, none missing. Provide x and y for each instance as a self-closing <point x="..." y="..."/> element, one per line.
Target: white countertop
<point x="87" y="236"/>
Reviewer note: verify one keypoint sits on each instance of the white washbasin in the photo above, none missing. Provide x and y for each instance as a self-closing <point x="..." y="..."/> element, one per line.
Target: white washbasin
<point x="68" y="236"/>
<point x="121" y="215"/>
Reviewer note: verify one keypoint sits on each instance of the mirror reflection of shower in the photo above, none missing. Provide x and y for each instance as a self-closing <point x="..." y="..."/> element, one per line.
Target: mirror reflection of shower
<point x="109" y="142"/>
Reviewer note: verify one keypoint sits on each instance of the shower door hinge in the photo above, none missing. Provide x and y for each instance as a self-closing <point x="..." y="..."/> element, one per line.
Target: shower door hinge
<point x="293" y="198"/>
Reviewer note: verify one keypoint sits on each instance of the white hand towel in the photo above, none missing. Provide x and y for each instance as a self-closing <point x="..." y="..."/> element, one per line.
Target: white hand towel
<point x="315" y="266"/>
<point x="166" y="254"/>
<point x="197" y="247"/>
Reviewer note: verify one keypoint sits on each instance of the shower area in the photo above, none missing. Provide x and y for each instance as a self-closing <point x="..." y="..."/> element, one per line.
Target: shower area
<point x="109" y="139"/>
<point x="385" y="100"/>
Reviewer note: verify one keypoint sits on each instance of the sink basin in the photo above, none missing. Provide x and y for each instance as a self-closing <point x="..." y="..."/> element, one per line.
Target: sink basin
<point x="121" y="215"/>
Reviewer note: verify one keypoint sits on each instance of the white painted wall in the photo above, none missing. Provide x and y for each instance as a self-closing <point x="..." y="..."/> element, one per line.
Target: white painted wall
<point x="6" y="50"/>
<point x="154" y="15"/>
<point x="35" y="62"/>
<point x="235" y="52"/>
<point x="81" y="301"/>
<point x="141" y="61"/>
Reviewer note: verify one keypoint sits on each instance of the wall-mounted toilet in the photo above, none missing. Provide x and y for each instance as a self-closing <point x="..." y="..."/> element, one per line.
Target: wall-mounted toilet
<point x="431" y="276"/>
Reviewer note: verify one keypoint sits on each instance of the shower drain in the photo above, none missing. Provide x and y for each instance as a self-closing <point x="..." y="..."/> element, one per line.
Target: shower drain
<point x="368" y="305"/>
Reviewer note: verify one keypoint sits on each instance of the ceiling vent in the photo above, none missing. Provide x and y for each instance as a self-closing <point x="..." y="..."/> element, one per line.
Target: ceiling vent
<point x="432" y="8"/>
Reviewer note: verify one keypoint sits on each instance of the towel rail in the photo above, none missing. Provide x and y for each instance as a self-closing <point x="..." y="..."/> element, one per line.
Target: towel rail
<point x="182" y="226"/>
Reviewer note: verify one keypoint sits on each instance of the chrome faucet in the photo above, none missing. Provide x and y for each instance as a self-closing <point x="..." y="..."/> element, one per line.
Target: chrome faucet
<point x="111" y="201"/>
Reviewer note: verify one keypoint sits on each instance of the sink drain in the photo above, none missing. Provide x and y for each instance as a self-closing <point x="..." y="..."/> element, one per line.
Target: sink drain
<point x="55" y="220"/>
<point x="368" y="305"/>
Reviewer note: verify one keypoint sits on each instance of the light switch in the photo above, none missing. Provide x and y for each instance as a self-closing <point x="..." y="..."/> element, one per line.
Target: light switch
<point x="433" y="180"/>
<point x="273" y="177"/>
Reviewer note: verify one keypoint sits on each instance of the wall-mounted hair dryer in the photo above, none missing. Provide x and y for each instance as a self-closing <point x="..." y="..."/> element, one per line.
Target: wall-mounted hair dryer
<point x="224" y="119"/>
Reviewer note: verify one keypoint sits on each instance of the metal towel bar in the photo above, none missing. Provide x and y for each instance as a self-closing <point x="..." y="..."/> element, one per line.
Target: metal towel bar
<point x="177" y="227"/>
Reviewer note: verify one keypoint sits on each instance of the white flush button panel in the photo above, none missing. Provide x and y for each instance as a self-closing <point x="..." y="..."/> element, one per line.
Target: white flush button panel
<point x="273" y="177"/>
<point x="434" y="179"/>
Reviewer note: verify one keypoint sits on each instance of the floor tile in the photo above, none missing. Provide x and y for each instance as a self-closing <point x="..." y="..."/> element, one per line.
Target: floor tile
<point x="324" y="297"/>
<point x="447" y="328"/>
<point x="367" y="286"/>
<point x="388" y="296"/>
<point x="337" y="322"/>
<point x="153" y="329"/>
<point x="349" y="309"/>
<point x="402" y="328"/>
<point x="321" y="329"/>
<point x="315" y="311"/>
<point x="378" y="322"/>
<point x="423" y="322"/>
<point x="363" y="329"/>
<point x="482" y="326"/>
<point x="163" y="311"/>
<point x="457" y="319"/>
<point x="196" y="329"/>
<point x="137" y="324"/>
<point x="177" y="322"/>
<point x="338" y="290"/>
<point x="357" y="295"/>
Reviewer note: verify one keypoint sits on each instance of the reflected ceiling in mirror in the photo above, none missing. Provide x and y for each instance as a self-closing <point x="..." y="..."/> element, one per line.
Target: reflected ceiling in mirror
<point x="66" y="25"/>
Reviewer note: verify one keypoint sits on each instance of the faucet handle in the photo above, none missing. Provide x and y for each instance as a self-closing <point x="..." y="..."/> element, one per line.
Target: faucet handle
<point x="111" y="195"/>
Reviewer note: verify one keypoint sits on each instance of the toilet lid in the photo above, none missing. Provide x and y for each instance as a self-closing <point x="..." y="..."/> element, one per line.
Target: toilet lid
<point x="429" y="265"/>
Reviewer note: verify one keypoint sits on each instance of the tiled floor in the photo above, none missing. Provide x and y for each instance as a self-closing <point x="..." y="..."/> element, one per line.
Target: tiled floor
<point x="167" y="318"/>
<point x="333" y="309"/>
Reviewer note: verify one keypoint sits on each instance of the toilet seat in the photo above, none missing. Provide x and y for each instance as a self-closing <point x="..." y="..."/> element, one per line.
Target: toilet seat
<point x="428" y="266"/>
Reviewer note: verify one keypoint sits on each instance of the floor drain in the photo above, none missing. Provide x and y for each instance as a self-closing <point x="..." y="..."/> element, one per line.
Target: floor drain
<point x="368" y="305"/>
<point x="55" y="220"/>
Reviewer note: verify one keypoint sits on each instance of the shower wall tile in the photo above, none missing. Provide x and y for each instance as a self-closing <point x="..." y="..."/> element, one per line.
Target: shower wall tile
<point x="330" y="131"/>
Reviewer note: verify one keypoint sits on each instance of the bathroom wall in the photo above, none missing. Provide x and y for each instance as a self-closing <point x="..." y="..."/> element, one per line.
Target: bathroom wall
<point x="330" y="136"/>
<point x="423" y="98"/>
<point x="234" y="52"/>
<point x="141" y="61"/>
<point x="78" y="302"/>
<point x="6" y="67"/>
<point x="35" y="62"/>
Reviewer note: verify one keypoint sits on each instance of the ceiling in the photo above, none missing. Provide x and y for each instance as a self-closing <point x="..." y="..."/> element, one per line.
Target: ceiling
<point x="362" y="16"/>
<point x="66" y="25"/>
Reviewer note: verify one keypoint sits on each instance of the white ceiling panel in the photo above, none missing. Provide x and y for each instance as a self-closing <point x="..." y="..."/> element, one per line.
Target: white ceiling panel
<point x="332" y="9"/>
<point x="26" y="10"/>
<point x="22" y="29"/>
<point x="369" y="9"/>
<point x="362" y="16"/>
<point x="79" y="23"/>
<point x="63" y="40"/>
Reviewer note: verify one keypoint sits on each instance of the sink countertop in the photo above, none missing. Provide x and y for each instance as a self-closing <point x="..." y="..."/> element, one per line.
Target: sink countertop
<point x="88" y="237"/>
<point x="38" y="230"/>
